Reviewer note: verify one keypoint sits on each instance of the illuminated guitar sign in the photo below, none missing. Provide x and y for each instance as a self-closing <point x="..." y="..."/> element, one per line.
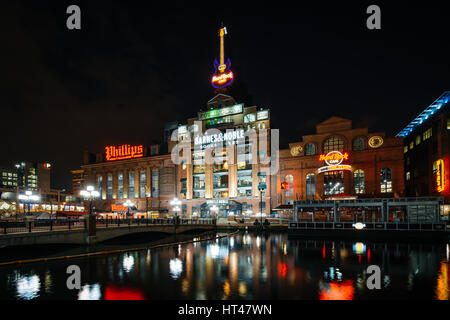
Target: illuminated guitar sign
<point x="124" y="152"/>
<point x="334" y="161"/>
<point x="223" y="76"/>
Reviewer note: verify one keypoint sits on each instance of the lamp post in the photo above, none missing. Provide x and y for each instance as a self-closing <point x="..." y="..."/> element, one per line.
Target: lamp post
<point x="28" y="197"/>
<point x="147" y="194"/>
<point x="128" y="204"/>
<point x="261" y="187"/>
<point x="214" y="209"/>
<point x="90" y="194"/>
<point x="176" y="203"/>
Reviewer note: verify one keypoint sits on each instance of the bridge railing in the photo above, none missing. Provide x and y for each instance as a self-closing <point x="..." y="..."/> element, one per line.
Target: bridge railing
<point x="7" y="227"/>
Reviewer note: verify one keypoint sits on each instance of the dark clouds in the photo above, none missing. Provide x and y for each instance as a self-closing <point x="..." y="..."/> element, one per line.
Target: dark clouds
<point x="135" y="65"/>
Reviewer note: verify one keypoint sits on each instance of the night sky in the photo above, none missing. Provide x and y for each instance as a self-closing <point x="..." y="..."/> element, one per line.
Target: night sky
<point x="135" y="65"/>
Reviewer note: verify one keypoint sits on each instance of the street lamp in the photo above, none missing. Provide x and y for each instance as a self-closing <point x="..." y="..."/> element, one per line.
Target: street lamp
<point x="28" y="197"/>
<point x="176" y="203"/>
<point x="90" y="194"/>
<point x="261" y="188"/>
<point x="128" y="204"/>
<point x="214" y="209"/>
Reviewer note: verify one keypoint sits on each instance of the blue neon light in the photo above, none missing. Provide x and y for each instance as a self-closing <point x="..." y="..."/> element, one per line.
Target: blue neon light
<point x="436" y="105"/>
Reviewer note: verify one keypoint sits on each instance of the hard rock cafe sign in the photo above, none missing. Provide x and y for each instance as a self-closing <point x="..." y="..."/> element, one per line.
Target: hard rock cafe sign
<point x="223" y="76"/>
<point x="334" y="161"/>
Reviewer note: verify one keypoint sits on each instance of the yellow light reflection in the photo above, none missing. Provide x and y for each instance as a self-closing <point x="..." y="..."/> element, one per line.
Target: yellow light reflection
<point x="242" y="289"/>
<point x="442" y="287"/>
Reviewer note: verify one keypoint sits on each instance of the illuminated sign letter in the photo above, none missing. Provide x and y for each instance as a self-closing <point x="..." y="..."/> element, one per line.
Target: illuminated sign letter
<point x="123" y="152"/>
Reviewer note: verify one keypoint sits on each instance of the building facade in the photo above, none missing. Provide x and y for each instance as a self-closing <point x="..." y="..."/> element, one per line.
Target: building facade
<point x="229" y="183"/>
<point x="339" y="160"/>
<point x="141" y="175"/>
<point x="427" y="151"/>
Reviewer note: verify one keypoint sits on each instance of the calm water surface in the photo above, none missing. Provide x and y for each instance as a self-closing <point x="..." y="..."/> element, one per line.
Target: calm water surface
<point x="244" y="266"/>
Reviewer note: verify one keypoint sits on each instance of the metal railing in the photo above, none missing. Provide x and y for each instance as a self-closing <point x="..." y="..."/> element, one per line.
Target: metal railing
<point x="371" y="226"/>
<point x="8" y="227"/>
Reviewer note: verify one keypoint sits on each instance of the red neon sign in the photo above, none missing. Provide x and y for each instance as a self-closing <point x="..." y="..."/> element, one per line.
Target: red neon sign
<point x="124" y="152"/>
<point x="333" y="157"/>
<point x="222" y="79"/>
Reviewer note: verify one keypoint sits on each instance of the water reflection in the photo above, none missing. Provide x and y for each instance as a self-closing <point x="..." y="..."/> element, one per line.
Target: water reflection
<point x="246" y="266"/>
<point x="90" y="292"/>
<point x="27" y="286"/>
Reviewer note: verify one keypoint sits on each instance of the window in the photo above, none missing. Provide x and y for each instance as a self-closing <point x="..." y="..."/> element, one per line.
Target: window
<point x="244" y="179"/>
<point x="131" y="185"/>
<point x="99" y="184"/>
<point x="110" y="177"/>
<point x="411" y="145"/>
<point x="333" y="182"/>
<point x="220" y="181"/>
<point x="290" y="189"/>
<point x="386" y="180"/>
<point x="333" y="144"/>
<point x="417" y="140"/>
<point x="155" y="183"/>
<point x="448" y="124"/>
<point x="358" y="181"/>
<point x="358" y="144"/>
<point x="120" y="185"/>
<point x="310" y="149"/>
<point x="310" y="184"/>
<point x="408" y="176"/>
<point x="199" y="183"/>
<point x="251" y="117"/>
<point x="405" y="149"/>
<point x="427" y="134"/>
<point x="142" y="180"/>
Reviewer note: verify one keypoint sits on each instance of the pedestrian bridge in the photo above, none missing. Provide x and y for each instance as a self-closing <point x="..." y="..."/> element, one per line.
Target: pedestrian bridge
<point x="36" y="232"/>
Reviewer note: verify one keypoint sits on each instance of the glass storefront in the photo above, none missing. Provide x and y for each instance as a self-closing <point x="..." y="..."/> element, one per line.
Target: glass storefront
<point x="333" y="182"/>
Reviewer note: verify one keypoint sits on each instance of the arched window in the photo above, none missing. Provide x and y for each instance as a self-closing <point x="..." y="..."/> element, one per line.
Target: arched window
<point x="358" y="144"/>
<point x="386" y="180"/>
<point x="310" y="184"/>
<point x="310" y="149"/>
<point x="290" y="189"/>
<point x="358" y="181"/>
<point x="333" y="144"/>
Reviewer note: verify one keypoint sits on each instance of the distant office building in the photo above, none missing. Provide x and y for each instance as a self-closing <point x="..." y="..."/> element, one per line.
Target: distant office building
<point x="30" y="175"/>
<point x="78" y="178"/>
<point x="427" y="151"/>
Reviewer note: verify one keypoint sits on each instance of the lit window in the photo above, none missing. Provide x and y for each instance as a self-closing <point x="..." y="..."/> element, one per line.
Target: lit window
<point x="358" y="181"/>
<point x="448" y="124"/>
<point x="386" y="180"/>
<point x="427" y="134"/>
<point x="155" y="183"/>
<point x="131" y="185"/>
<point x="333" y="144"/>
<point x="143" y="181"/>
<point x="405" y="149"/>
<point x="417" y="140"/>
<point x="408" y="176"/>
<point x="290" y="189"/>
<point x="310" y="149"/>
<point x="310" y="184"/>
<point x="109" y="195"/>
<point x="411" y="145"/>
<point x="358" y="144"/>
<point x="120" y="185"/>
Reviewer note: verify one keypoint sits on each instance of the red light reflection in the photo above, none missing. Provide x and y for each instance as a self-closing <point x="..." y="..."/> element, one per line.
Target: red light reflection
<point x="282" y="269"/>
<point x="120" y="293"/>
<point x="338" y="291"/>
